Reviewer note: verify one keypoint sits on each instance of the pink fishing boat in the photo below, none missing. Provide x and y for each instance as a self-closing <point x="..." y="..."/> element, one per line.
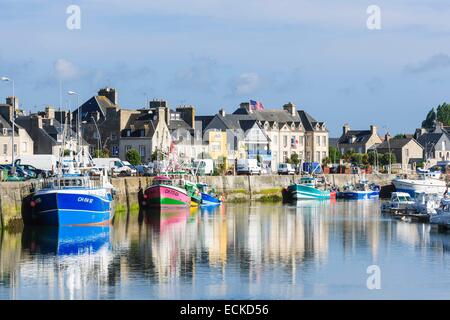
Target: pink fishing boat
<point x="166" y="192"/>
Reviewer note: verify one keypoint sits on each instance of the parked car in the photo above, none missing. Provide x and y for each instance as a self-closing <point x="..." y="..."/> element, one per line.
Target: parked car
<point x="19" y="172"/>
<point x="248" y="166"/>
<point x="285" y="168"/>
<point x="143" y="170"/>
<point x="95" y="172"/>
<point x="39" y="172"/>
<point x="133" y="170"/>
<point x="116" y="166"/>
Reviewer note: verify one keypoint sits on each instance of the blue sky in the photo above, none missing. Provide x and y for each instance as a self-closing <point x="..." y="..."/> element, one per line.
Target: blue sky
<point x="318" y="54"/>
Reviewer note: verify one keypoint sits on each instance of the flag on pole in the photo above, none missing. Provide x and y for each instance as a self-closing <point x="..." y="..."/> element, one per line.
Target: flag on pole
<point x="256" y="105"/>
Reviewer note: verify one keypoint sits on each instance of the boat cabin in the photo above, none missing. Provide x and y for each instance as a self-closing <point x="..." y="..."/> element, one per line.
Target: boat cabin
<point x="66" y="182"/>
<point x="401" y="197"/>
<point x="165" y="180"/>
<point x="308" y="181"/>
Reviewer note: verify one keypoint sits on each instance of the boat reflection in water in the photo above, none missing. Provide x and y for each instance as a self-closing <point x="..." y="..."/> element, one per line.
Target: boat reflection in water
<point x="71" y="260"/>
<point x="164" y="218"/>
<point x="66" y="240"/>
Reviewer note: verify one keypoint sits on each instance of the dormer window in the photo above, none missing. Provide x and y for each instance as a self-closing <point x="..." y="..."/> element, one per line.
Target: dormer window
<point x="5" y="131"/>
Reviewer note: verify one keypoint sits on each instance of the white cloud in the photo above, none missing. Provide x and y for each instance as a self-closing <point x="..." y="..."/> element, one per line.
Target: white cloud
<point x="247" y="83"/>
<point x="435" y="62"/>
<point x="66" y="70"/>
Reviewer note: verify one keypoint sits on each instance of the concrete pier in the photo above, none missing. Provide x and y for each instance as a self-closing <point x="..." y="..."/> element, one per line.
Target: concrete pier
<point x="235" y="188"/>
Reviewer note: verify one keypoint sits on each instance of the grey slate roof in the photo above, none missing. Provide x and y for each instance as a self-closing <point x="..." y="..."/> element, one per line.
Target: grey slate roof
<point x="178" y="124"/>
<point x="205" y="120"/>
<point x="396" y="143"/>
<point x="140" y="125"/>
<point x="361" y="136"/>
<point x="428" y="139"/>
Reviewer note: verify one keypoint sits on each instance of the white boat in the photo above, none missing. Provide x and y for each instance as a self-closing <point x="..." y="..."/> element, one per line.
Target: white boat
<point x="442" y="216"/>
<point x="400" y="202"/>
<point x="427" y="203"/>
<point x="428" y="182"/>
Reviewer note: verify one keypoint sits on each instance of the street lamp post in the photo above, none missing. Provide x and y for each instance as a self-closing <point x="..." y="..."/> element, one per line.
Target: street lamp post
<point x="13" y="115"/>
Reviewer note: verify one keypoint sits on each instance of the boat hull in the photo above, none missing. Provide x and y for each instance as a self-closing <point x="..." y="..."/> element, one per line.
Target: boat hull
<point x="209" y="200"/>
<point x="70" y="208"/>
<point x="359" y="195"/>
<point x="301" y="192"/>
<point x="166" y="196"/>
<point x="419" y="186"/>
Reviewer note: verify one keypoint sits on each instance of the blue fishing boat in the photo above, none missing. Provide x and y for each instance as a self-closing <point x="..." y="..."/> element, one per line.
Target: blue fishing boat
<point x="66" y="240"/>
<point x="308" y="188"/>
<point x="362" y="190"/>
<point x="209" y="197"/>
<point x="74" y="200"/>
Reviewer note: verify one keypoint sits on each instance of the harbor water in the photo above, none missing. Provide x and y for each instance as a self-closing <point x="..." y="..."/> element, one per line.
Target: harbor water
<point x="312" y="250"/>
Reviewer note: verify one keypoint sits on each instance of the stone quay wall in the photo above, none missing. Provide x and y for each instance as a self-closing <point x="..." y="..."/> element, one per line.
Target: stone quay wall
<point x="235" y="189"/>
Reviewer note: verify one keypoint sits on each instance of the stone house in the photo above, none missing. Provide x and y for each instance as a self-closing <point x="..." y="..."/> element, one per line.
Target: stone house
<point x="23" y="144"/>
<point x="435" y="143"/>
<point x="47" y="132"/>
<point x="145" y="131"/>
<point x="288" y="131"/>
<point x="359" y="141"/>
<point x="406" y="150"/>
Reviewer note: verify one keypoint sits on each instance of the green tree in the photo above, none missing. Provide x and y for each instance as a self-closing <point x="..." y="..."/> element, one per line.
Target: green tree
<point x="372" y="158"/>
<point x="365" y="159"/>
<point x="385" y="159"/>
<point x="326" y="161"/>
<point x="66" y="152"/>
<point x="441" y="114"/>
<point x="155" y="155"/>
<point x="133" y="157"/>
<point x="356" y="158"/>
<point x="429" y="121"/>
<point x="334" y="154"/>
<point x="400" y="136"/>
<point x="295" y="159"/>
<point x="347" y="156"/>
<point x="101" y="153"/>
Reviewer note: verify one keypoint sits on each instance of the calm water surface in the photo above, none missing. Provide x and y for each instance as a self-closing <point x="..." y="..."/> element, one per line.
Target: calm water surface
<point x="315" y="250"/>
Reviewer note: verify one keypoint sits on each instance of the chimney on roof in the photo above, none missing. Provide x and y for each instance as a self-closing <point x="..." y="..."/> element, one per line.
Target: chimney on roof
<point x="373" y="129"/>
<point x="439" y="126"/>
<point x="187" y="113"/>
<point x="222" y="112"/>
<point x="345" y="128"/>
<point x="36" y="121"/>
<point x="290" y="108"/>
<point x="49" y="112"/>
<point x="13" y="101"/>
<point x="110" y="93"/>
<point x="246" y="106"/>
<point x="419" y="132"/>
<point x="6" y="110"/>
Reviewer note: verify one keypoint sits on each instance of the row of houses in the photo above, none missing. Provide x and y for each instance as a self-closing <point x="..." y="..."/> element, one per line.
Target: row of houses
<point x="430" y="145"/>
<point x="271" y="135"/>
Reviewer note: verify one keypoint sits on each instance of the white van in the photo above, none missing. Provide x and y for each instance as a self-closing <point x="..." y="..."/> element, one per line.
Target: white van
<point x="248" y="166"/>
<point x="117" y="166"/>
<point x="203" y="166"/>
<point x="285" y="168"/>
<point x="40" y="161"/>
